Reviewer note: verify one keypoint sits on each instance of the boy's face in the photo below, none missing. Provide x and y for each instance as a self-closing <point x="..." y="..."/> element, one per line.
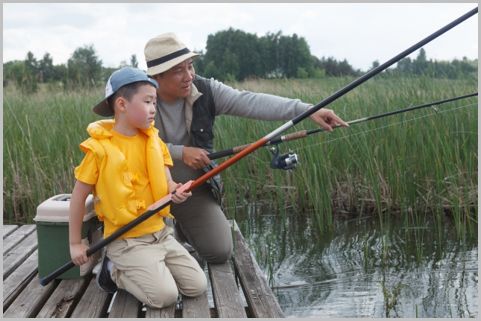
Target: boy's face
<point x="140" y="110"/>
<point x="176" y="82"/>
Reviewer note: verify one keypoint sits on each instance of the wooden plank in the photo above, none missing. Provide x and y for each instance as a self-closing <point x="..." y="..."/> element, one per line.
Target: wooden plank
<point x="93" y="303"/>
<point x="167" y="312"/>
<point x="125" y="305"/>
<point x="8" y="229"/>
<point x="18" y="235"/>
<point x="30" y="300"/>
<point x="224" y="289"/>
<point x="195" y="307"/>
<point x="19" y="279"/>
<point x="19" y="253"/>
<point x="260" y="298"/>
<point x="63" y="299"/>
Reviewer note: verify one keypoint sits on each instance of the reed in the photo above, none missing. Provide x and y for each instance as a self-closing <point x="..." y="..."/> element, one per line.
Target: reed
<point x="419" y="162"/>
<point x="422" y="162"/>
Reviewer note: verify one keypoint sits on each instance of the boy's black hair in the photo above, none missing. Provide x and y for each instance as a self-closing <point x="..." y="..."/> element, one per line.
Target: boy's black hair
<point x="127" y="92"/>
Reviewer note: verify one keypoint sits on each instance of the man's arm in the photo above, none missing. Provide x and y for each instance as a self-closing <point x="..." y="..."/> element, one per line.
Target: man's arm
<point x="261" y="106"/>
<point x="231" y="101"/>
<point x="175" y="151"/>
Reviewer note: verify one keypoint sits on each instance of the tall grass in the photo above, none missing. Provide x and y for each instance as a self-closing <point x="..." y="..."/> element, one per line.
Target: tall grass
<point x="41" y="134"/>
<point x="419" y="162"/>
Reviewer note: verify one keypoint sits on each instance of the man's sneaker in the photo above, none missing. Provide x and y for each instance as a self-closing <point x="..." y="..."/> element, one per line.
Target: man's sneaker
<point x="104" y="280"/>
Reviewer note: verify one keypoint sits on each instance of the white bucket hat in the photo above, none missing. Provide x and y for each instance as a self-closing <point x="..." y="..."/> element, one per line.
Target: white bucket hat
<point x="164" y="52"/>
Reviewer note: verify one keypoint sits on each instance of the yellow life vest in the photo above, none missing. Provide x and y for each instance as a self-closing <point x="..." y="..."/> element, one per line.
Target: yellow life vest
<point x="115" y="201"/>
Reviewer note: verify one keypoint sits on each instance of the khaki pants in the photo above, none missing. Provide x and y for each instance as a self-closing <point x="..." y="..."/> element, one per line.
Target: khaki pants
<point x="155" y="268"/>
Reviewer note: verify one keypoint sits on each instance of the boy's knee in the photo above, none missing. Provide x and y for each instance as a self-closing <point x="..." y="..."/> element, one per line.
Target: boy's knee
<point x="162" y="298"/>
<point x="196" y="287"/>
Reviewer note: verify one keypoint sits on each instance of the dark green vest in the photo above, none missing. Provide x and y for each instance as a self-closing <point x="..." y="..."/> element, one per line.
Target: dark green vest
<point x="203" y="116"/>
<point x="202" y="129"/>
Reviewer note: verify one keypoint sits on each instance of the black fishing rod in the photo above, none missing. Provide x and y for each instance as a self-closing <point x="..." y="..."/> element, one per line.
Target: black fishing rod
<point x="190" y="185"/>
<point x="305" y="133"/>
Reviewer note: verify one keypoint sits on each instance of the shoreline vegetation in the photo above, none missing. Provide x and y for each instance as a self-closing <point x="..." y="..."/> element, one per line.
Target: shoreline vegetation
<point x="419" y="163"/>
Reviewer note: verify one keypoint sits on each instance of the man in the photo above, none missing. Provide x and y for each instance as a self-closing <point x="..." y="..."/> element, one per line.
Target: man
<point x="186" y="109"/>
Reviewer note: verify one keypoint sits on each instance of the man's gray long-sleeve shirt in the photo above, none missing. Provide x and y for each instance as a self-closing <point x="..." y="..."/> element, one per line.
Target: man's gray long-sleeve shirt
<point x="172" y="124"/>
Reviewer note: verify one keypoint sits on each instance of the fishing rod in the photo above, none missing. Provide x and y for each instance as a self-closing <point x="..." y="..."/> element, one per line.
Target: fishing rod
<point x="192" y="184"/>
<point x="290" y="160"/>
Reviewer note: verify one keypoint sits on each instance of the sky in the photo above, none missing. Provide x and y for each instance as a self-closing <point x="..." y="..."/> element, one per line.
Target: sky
<point x="360" y="33"/>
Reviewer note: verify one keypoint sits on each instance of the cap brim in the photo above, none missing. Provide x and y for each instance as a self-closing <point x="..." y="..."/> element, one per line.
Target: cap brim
<point x="151" y="71"/>
<point x="103" y="109"/>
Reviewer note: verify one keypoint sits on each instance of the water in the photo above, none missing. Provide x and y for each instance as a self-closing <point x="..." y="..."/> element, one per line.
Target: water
<point x="415" y="267"/>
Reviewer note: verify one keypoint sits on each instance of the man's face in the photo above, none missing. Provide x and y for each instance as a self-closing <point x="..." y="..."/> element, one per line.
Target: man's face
<point x="176" y="82"/>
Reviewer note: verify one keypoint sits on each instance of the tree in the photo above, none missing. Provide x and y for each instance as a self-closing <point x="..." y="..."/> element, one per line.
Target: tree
<point x="30" y="75"/>
<point x="46" y="69"/>
<point x="234" y="53"/>
<point x="294" y="53"/>
<point x="420" y="64"/>
<point x="374" y="65"/>
<point x="336" y="68"/>
<point x="13" y="71"/>
<point x="84" y="67"/>
<point x="133" y="61"/>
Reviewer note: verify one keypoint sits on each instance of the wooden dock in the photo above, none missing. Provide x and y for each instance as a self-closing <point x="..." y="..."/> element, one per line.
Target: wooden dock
<point x="237" y="288"/>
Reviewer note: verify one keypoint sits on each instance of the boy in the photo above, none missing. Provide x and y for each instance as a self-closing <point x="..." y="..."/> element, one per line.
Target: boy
<point x="125" y="166"/>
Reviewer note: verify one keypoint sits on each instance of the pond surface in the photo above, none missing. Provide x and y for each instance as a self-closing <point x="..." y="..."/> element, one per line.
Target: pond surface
<point x="360" y="269"/>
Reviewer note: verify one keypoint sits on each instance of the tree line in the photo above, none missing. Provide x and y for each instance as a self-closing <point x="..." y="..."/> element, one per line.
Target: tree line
<point x="230" y="54"/>
<point x="83" y="69"/>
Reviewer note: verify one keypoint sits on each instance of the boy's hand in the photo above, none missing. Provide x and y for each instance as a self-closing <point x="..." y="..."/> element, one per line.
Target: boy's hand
<point x="78" y="253"/>
<point x="178" y="197"/>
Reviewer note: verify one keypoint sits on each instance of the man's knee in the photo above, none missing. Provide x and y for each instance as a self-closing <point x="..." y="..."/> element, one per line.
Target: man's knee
<point x="218" y="254"/>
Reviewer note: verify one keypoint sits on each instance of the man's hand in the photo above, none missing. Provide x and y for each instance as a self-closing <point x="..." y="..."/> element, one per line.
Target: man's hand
<point x="195" y="158"/>
<point x="327" y="119"/>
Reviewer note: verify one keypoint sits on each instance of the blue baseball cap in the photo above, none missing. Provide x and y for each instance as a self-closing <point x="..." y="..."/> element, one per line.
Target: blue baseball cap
<point x="118" y="79"/>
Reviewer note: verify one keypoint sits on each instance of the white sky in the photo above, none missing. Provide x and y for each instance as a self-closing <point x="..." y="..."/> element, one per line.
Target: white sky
<point x="360" y="33"/>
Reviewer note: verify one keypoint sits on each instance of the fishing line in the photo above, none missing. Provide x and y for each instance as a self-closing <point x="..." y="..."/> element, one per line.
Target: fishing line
<point x="386" y="126"/>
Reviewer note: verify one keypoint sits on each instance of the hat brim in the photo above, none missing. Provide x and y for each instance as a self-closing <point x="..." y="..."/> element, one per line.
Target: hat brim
<point x="103" y="109"/>
<point x="151" y="71"/>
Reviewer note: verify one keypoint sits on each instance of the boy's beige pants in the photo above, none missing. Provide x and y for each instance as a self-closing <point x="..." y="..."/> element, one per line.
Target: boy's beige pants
<point x="155" y="267"/>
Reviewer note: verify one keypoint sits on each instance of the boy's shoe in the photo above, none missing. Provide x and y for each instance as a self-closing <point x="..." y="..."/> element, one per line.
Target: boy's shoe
<point x="104" y="280"/>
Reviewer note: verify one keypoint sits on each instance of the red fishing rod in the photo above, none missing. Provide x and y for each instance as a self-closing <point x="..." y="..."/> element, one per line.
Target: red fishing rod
<point x="190" y="185"/>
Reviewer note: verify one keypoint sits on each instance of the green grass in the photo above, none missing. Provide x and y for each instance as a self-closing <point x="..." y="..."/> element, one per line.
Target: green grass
<point x="420" y="162"/>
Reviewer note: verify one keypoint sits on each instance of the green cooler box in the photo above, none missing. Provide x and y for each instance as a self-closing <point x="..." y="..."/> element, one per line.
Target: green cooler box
<point x="52" y="234"/>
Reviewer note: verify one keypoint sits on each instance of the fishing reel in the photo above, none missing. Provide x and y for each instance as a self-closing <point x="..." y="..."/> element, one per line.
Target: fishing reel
<point x="285" y="161"/>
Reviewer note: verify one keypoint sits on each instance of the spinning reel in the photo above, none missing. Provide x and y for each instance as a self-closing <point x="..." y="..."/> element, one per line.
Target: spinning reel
<point x="285" y="161"/>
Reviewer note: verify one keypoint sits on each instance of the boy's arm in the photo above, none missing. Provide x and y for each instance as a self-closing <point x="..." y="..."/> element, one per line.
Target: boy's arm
<point x="77" y="210"/>
<point x="177" y="197"/>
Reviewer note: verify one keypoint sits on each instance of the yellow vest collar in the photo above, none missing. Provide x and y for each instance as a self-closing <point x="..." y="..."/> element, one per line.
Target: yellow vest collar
<point x="102" y="129"/>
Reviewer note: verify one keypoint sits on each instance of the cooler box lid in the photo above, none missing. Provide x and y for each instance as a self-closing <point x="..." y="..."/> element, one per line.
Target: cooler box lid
<point x="56" y="209"/>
